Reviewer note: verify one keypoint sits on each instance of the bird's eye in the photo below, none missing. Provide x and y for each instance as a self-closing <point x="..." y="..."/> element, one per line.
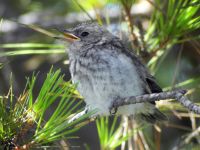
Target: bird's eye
<point x="83" y="34"/>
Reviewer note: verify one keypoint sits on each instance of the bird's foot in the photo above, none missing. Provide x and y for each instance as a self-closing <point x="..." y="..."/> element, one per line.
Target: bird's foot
<point x="113" y="107"/>
<point x="80" y="114"/>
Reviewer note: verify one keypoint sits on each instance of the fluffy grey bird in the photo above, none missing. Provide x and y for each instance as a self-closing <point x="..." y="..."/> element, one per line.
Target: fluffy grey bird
<point x="105" y="70"/>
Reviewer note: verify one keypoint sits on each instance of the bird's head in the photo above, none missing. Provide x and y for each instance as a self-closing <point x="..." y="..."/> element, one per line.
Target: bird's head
<point x="86" y="35"/>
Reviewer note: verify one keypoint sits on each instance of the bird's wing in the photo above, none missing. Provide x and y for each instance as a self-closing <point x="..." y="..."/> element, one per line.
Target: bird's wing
<point x="149" y="82"/>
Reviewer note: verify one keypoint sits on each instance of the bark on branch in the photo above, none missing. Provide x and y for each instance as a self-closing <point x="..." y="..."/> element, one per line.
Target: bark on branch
<point x="178" y="95"/>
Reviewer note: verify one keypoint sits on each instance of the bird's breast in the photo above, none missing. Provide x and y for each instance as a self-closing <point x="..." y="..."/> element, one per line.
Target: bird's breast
<point x="104" y="77"/>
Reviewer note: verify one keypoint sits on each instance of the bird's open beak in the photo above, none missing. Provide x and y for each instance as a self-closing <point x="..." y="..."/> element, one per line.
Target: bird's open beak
<point x="66" y="35"/>
<point x="70" y="37"/>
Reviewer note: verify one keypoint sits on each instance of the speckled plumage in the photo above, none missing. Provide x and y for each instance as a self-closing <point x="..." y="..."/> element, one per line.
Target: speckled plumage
<point x="105" y="70"/>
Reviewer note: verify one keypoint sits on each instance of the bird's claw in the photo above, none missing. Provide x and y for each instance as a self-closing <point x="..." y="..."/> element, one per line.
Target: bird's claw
<point x="113" y="108"/>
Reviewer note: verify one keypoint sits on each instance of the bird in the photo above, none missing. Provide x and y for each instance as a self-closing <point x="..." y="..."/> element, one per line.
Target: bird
<point x="104" y="70"/>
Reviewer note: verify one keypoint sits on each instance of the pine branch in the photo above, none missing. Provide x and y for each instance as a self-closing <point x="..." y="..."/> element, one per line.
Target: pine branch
<point x="177" y="95"/>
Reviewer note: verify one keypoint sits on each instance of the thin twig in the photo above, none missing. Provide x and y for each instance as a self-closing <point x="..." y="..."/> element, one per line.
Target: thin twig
<point x="157" y="136"/>
<point x="129" y="20"/>
<point x="83" y="9"/>
<point x="144" y="142"/>
<point x="143" y="46"/>
<point x="192" y="135"/>
<point x="125" y="131"/>
<point x="154" y="5"/>
<point x="186" y="115"/>
<point x="26" y="146"/>
<point x="162" y="45"/>
<point x="64" y="144"/>
<point x="177" y="65"/>
<point x="195" y="45"/>
<point x="139" y="142"/>
<point x="176" y="126"/>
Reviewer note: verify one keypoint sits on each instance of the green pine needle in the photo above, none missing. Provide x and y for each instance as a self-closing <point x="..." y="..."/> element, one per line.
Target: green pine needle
<point x="111" y="133"/>
<point x="30" y="48"/>
<point x="169" y="25"/>
<point x="29" y="113"/>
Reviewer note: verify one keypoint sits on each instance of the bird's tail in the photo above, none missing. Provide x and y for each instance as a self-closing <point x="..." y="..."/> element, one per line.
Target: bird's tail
<point x="153" y="116"/>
